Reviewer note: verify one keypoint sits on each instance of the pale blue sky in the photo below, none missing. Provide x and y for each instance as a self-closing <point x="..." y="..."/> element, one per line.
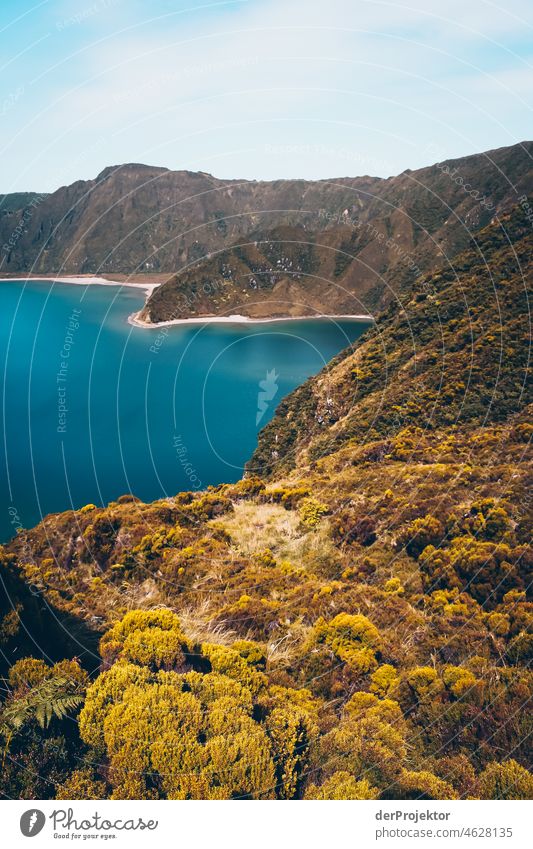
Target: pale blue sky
<point x="259" y="88"/>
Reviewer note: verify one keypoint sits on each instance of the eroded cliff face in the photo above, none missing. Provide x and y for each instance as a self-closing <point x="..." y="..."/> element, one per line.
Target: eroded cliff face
<point x="135" y="218"/>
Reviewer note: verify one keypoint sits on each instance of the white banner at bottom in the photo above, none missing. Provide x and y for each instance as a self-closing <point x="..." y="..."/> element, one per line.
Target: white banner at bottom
<point x="241" y="825"/>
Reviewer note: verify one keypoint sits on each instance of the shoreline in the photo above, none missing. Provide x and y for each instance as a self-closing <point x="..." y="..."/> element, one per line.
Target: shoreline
<point x="78" y="280"/>
<point x="134" y="320"/>
<point x="148" y="288"/>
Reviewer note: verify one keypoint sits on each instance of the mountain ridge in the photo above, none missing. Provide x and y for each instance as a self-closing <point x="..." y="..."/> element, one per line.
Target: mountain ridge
<point x="139" y="219"/>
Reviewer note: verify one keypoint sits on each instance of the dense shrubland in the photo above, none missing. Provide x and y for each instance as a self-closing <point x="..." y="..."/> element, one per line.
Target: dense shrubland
<point x="357" y="624"/>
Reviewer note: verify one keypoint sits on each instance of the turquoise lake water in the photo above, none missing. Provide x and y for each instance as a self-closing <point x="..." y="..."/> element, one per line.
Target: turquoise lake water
<point x="93" y="408"/>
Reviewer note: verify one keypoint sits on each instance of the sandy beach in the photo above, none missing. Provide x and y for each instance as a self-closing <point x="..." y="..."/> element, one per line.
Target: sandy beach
<point x="80" y="280"/>
<point x="239" y="319"/>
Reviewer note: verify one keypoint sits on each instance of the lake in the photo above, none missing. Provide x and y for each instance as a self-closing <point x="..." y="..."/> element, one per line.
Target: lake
<point x="93" y="407"/>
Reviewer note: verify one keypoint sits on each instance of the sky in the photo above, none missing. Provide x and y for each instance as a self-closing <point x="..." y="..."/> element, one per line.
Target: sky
<point x="258" y="89"/>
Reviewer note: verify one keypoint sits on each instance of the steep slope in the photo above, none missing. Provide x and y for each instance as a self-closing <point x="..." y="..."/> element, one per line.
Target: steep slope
<point x="456" y="352"/>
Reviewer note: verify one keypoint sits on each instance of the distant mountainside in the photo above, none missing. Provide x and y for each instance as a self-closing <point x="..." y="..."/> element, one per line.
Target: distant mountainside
<point x="18" y="202"/>
<point x="262" y="248"/>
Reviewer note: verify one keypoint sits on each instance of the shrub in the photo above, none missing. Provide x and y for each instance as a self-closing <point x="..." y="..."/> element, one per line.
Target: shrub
<point x="171" y="731"/>
<point x="156" y="648"/>
<point x="487" y="570"/>
<point x="384" y="680"/>
<point x="108" y="689"/>
<point x="149" y="638"/>
<point x="342" y="785"/>
<point x="311" y="511"/>
<point x="459" y="681"/>
<point x="419" y="534"/>
<point x="208" y="506"/>
<point x="128" y="498"/>
<point x="349" y="528"/>
<point x="491" y="521"/>
<point x="291" y="732"/>
<point x="352" y="638"/>
<point x="520" y="649"/>
<point x="81" y="784"/>
<point x="288" y="497"/>
<point x="394" y="586"/>
<point x="507" y="780"/>
<point x="164" y="741"/>
<point x="248" y="486"/>
<point x="368" y="743"/>
<point x="499" y="624"/>
<point x="362" y="705"/>
<point x="253" y="653"/>
<point x="27" y="673"/>
<point x="459" y="772"/>
<point x="423" y="785"/>
<point x="424" y="683"/>
<point x="231" y="663"/>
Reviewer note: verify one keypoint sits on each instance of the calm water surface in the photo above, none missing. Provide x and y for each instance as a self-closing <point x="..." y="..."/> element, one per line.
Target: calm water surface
<point x="94" y="408"/>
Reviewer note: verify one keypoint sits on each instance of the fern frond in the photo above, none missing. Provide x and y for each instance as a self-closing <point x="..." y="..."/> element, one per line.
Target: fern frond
<point x="53" y="697"/>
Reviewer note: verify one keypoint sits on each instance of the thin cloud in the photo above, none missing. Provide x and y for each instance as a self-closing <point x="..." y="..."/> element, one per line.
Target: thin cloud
<point x="215" y="84"/>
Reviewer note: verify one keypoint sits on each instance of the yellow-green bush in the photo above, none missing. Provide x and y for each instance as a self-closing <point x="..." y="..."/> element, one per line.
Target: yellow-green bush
<point x="368" y="742"/>
<point x="106" y="691"/>
<point x="486" y="569"/>
<point x="394" y="586"/>
<point x="499" y="624"/>
<point x="423" y="683"/>
<point x="459" y="681"/>
<point x="27" y="673"/>
<point x="507" y="780"/>
<point x="160" y="735"/>
<point x="352" y="638"/>
<point x="342" y="785"/>
<point x="30" y="672"/>
<point x="81" y="784"/>
<point x="424" y="531"/>
<point x="289" y="497"/>
<point x="311" y="511"/>
<point x="291" y="732"/>
<point x="253" y="653"/>
<point x="363" y="705"/>
<point x="384" y="680"/>
<point x="229" y="662"/>
<point x="150" y="638"/>
<point x="204" y="726"/>
<point x="423" y="785"/>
